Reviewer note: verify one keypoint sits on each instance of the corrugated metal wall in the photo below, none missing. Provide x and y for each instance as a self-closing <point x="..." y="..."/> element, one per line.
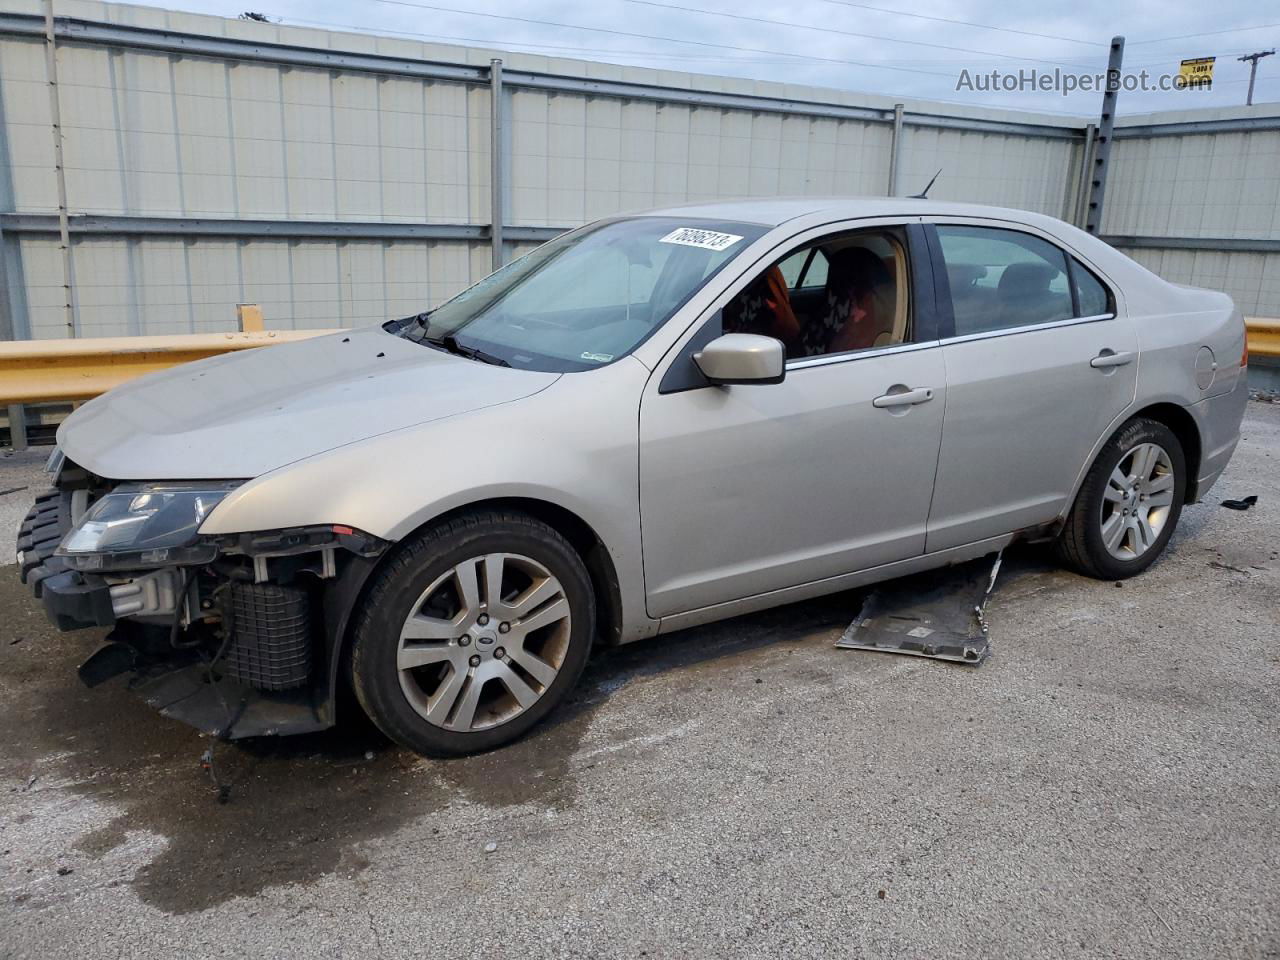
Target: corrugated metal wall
<point x="160" y="285"/>
<point x="1203" y="186"/>
<point x="1252" y="279"/>
<point x="153" y="133"/>
<point x="575" y="159"/>
<point x="1028" y="173"/>
<point x="150" y="134"/>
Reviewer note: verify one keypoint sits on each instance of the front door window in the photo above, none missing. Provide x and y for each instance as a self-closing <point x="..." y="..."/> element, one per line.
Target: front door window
<point x="840" y="294"/>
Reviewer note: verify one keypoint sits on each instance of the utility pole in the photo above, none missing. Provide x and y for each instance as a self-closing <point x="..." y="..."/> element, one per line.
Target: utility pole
<point x="1252" y="60"/>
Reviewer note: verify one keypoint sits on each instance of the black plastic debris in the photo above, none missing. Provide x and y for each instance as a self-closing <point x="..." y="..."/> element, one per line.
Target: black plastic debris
<point x="939" y="615"/>
<point x="1243" y="504"/>
<point x="109" y="660"/>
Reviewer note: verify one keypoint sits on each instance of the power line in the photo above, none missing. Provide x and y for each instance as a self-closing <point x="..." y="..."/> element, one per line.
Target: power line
<point x="1169" y="58"/>
<point x="603" y="52"/>
<point x="662" y="38"/>
<point x="594" y="51"/>
<point x="1212" y="33"/>
<point x="963" y="23"/>
<point x="598" y="52"/>
<point x="488" y="42"/>
<point x="684" y="8"/>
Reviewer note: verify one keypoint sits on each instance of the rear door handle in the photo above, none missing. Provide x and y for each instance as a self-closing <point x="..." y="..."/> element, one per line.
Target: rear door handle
<point x="904" y="399"/>
<point x="1109" y="358"/>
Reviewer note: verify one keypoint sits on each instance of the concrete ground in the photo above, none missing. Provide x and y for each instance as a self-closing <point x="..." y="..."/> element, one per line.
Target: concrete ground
<point x="1107" y="784"/>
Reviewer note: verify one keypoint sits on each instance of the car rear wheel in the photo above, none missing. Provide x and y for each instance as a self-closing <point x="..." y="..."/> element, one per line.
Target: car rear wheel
<point x="473" y="633"/>
<point x="1129" y="503"/>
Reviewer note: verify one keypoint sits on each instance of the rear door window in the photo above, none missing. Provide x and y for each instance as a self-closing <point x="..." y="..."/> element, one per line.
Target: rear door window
<point x="1002" y="279"/>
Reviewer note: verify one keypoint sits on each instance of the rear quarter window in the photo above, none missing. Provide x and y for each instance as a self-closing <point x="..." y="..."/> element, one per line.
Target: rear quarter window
<point x="1093" y="299"/>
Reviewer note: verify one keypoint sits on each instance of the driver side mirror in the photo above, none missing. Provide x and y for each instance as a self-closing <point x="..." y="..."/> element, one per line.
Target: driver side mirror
<point x="742" y="358"/>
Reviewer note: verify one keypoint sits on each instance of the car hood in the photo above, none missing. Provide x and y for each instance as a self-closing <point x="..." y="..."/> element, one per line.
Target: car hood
<point x="240" y="415"/>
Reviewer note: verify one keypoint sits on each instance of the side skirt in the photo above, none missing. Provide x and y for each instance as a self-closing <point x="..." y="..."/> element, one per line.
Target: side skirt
<point x="846" y="581"/>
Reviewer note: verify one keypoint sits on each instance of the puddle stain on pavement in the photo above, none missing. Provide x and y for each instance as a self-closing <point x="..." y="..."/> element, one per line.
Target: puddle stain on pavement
<point x="300" y="805"/>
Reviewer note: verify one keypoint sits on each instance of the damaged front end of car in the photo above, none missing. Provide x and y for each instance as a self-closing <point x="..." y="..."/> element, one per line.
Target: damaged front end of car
<point x="236" y="634"/>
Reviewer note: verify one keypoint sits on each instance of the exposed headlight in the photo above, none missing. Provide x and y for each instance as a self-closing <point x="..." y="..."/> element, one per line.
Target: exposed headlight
<point x="149" y="523"/>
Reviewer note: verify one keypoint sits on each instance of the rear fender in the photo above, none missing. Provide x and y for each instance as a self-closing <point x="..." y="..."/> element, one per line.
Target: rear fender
<point x="1194" y="419"/>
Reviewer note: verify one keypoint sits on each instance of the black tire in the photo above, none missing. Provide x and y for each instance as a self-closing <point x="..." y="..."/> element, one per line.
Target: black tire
<point x="416" y="564"/>
<point x="1080" y="546"/>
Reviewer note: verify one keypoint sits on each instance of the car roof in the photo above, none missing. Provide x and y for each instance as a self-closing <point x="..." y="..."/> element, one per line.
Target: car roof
<point x="777" y="210"/>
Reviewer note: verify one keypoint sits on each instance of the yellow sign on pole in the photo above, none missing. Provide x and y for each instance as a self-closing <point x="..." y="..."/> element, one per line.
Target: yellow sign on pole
<point x="1196" y="73"/>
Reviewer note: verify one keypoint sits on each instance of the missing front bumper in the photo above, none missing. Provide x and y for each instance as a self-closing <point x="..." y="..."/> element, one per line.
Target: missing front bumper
<point x="75" y="600"/>
<point x="185" y="685"/>
<point x="226" y="708"/>
<point x="247" y="644"/>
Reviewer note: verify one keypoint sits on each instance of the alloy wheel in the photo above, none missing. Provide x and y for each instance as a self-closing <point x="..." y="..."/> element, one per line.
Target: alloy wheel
<point x="1137" y="501"/>
<point x="484" y="642"/>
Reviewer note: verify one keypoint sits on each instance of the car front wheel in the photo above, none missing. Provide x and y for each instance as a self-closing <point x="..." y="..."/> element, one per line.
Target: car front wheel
<point x="473" y="632"/>
<point x="1129" y="503"/>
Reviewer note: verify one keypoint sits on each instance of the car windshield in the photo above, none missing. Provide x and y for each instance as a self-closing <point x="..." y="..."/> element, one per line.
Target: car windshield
<point x="587" y="298"/>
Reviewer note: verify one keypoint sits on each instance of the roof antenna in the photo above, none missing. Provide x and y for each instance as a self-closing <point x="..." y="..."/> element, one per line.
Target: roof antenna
<point x="924" y="194"/>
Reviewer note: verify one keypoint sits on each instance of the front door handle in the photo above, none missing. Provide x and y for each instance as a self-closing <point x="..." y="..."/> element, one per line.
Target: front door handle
<point x="1109" y="358"/>
<point x="904" y="398"/>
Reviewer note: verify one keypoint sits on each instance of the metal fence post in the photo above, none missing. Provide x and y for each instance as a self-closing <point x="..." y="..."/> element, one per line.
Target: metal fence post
<point x="1082" y="186"/>
<point x="497" y="186"/>
<point x="17" y="412"/>
<point x="18" y="426"/>
<point x="8" y="329"/>
<point x="55" y="115"/>
<point x="14" y="322"/>
<point x="1102" y="148"/>
<point x="895" y="149"/>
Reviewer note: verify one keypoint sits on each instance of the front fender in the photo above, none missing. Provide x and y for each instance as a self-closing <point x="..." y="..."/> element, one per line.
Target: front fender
<point x="574" y="445"/>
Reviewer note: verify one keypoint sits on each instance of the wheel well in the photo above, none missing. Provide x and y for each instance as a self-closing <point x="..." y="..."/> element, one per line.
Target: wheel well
<point x="1184" y="428"/>
<point x="583" y="539"/>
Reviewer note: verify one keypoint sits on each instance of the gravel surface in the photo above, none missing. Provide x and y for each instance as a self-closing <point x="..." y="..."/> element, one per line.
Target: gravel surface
<point x="1106" y="784"/>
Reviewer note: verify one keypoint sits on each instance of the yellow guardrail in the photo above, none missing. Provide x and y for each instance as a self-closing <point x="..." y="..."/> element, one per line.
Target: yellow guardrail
<point x="43" y="371"/>
<point x="1264" y="337"/>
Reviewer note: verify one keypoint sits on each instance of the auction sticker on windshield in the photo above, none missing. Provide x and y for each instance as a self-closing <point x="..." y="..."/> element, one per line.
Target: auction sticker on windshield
<point x="706" y="239"/>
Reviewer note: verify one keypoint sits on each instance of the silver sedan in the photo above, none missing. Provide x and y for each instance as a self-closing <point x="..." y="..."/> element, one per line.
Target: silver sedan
<point x="651" y="422"/>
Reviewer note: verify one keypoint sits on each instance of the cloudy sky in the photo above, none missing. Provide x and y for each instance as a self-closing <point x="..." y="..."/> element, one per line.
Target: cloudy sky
<point x="866" y="46"/>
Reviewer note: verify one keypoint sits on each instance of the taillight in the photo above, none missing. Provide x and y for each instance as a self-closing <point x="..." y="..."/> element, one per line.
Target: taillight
<point x="1244" y="357"/>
